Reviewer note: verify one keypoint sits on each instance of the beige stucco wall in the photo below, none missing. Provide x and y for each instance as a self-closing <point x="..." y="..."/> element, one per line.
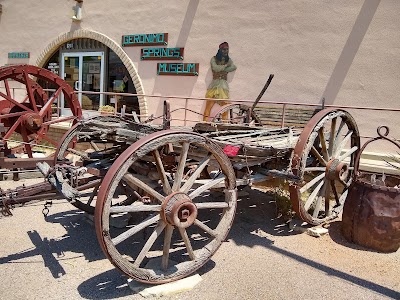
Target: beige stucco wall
<point x="299" y="41"/>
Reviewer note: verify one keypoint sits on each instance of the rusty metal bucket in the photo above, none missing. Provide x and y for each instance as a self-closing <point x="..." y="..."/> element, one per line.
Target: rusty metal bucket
<point x="371" y="213"/>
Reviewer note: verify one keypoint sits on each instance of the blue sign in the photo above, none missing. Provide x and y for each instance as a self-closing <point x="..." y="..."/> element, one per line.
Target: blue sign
<point x="18" y="55"/>
<point x="185" y="69"/>
<point x="161" y="53"/>
<point x="145" y="39"/>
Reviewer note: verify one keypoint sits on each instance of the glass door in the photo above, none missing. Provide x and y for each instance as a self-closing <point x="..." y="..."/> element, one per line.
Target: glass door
<point x="84" y="72"/>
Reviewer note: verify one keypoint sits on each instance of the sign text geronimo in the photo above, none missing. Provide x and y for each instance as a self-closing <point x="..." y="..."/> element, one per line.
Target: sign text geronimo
<point x="145" y="39"/>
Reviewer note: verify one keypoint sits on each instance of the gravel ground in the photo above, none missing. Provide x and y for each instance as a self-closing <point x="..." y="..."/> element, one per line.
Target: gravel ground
<point x="59" y="258"/>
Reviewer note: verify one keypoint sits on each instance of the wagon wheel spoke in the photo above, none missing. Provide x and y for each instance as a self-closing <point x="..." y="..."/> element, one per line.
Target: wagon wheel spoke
<point x="323" y="144"/>
<point x="327" y="198"/>
<point x="348" y="153"/>
<point x="156" y="233"/>
<point x="312" y="196"/>
<point x="27" y="142"/>
<point x="324" y="160"/>
<point x="205" y="228"/>
<point x="29" y="91"/>
<point x="12" y="129"/>
<point x="187" y="242"/>
<point x="212" y="205"/>
<point x="181" y="167"/>
<point x="319" y="201"/>
<point x="50" y="102"/>
<point x="200" y="167"/>
<point x="148" y="248"/>
<point x="10" y="99"/>
<point x="338" y="138"/>
<point x="134" y="230"/>
<point x="167" y="245"/>
<point x="160" y="167"/>
<point x="211" y="183"/>
<point x="135" y="208"/>
<point x="133" y="181"/>
<point x="318" y="156"/>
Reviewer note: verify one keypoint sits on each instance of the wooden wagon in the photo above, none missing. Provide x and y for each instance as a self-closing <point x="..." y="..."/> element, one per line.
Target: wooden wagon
<point x="164" y="199"/>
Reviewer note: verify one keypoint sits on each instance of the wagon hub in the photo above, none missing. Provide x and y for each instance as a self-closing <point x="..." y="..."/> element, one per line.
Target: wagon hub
<point x="179" y="210"/>
<point x="33" y="121"/>
<point x="336" y="170"/>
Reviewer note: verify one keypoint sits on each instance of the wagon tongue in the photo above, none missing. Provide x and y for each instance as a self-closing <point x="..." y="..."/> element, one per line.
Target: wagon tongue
<point x="60" y="177"/>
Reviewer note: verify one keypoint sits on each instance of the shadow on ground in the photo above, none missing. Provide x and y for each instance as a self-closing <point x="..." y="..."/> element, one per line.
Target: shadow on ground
<point x="80" y="238"/>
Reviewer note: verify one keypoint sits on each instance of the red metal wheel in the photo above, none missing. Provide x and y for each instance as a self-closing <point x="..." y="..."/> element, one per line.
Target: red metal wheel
<point x="323" y="159"/>
<point x="236" y="114"/>
<point x="176" y="224"/>
<point x="26" y="112"/>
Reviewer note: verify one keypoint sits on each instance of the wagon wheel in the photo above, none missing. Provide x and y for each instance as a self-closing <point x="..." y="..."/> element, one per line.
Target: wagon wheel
<point x="28" y="113"/>
<point x="180" y="225"/>
<point x="236" y="114"/>
<point x="80" y="146"/>
<point x="323" y="159"/>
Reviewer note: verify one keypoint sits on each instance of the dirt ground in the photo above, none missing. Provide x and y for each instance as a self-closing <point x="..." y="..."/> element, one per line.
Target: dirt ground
<point x="59" y="258"/>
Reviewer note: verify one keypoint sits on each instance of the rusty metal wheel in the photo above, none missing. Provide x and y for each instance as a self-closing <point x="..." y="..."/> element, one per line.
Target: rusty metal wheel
<point x="177" y="223"/>
<point x="27" y="110"/>
<point x="236" y="114"/>
<point x="83" y="146"/>
<point x="323" y="159"/>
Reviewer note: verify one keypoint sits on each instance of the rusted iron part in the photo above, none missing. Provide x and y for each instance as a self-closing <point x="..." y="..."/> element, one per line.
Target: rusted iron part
<point x="64" y="178"/>
<point x="335" y="170"/>
<point x="22" y="163"/>
<point x="241" y="113"/>
<point x="236" y="114"/>
<point x="21" y="195"/>
<point x="32" y="117"/>
<point x="167" y="115"/>
<point x="143" y="150"/>
<point x="371" y="214"/>
<point x="38" y="192"/>
<point x="178" y="210"/>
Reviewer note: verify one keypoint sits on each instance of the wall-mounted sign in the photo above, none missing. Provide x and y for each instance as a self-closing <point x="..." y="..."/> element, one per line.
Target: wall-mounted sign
<point x="186" y="69"/>
<point x="145" y="39"/>
<point x="18" y="55"/>
<point x="161" y="53"/>
<point x="54" y="67"/>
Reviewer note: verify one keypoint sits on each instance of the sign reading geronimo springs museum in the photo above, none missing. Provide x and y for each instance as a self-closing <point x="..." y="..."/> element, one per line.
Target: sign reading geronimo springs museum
<point x="153" y="39"/>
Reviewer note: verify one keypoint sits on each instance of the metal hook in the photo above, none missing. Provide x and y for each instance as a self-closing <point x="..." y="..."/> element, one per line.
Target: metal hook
<point x="380" y="128"/>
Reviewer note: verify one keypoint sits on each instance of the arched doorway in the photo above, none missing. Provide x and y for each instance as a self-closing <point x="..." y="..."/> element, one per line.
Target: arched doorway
<point x="90" y="61"/>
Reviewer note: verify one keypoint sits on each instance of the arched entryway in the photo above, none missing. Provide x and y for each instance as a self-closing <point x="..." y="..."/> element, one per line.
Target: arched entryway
<point x="71" y="48"/>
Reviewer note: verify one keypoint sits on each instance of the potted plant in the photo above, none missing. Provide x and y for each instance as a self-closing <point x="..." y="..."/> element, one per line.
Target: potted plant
<point x="106" y="109"/>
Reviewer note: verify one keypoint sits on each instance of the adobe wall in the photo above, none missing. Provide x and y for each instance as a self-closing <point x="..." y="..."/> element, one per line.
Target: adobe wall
<point x="299" y="41"/>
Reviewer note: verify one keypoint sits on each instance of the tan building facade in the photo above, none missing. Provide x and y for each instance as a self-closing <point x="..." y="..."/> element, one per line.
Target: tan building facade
<point x="347" y="52"/>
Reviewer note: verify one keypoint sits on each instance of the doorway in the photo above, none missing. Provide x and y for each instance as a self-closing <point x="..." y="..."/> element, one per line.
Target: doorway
<point x="84" y="72"/>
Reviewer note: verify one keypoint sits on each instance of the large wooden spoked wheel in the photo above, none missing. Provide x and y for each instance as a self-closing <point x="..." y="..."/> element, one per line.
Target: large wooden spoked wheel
<point x="323" y="159"/>
<point x="179" y="221"/>
<point x="27" y="110"/>
<point x="80" y="146"/>
<point x="236" y="114"/>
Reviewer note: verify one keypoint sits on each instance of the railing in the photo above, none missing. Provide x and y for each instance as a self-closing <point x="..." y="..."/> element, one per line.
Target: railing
<point x="189" y="100"/>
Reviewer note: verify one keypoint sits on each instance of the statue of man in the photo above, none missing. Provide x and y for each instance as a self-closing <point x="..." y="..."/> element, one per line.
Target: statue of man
<point x="221" y="65"/>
